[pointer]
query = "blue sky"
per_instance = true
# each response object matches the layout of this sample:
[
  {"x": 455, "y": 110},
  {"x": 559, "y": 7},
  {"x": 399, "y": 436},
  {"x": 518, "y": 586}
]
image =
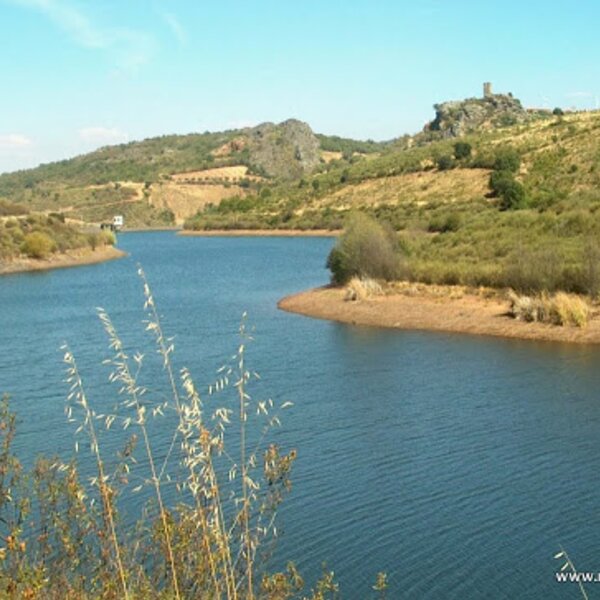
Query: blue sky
[{"x": 77, "y": 75}]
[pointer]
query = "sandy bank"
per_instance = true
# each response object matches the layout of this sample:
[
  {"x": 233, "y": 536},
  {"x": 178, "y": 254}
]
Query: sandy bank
[
  {"x": 72, "y": 258},
  {"x": 459, "y": 313},
  {"x": 262, "y": 233}
]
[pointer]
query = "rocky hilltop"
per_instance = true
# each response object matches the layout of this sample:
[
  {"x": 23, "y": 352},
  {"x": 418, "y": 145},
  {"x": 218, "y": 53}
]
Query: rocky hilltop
[
  {"x": 287, "y": 150},
  {"x": 456, "y": 118}
]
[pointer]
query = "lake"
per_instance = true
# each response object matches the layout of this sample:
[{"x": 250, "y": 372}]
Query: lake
[{"x": 457, "y": 464}]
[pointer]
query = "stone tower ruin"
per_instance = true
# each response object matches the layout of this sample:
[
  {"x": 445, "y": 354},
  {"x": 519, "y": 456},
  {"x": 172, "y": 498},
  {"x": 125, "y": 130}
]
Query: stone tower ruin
[{"x": 487, "y": 90}]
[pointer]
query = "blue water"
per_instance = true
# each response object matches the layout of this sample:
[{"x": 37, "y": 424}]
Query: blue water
[{"x": 457, "y": 464}]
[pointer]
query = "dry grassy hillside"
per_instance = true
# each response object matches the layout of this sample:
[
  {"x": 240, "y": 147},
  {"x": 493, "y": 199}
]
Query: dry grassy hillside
[
  {"x": 558, "y": 157},
  {"x": 417, "y": 188},
  {"x": 167, "y": 202},
  {"x": 185, "y": 200}
]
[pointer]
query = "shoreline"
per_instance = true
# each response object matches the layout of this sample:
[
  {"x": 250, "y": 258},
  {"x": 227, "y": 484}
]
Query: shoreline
[
  {"x": 71, "y": 258},
  {"x": 149, "y": 229},
  {"x": 260, "y": 233},
  {"x": 466, "y": 314}
]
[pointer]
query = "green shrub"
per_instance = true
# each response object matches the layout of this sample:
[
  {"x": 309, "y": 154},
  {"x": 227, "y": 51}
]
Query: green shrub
[
  {"x": 513, "y": 196},
  {"x": 558, "y": 112},
  {"x": 529, "y": 270},
  {"x": 511, "y": 193},
  {"x": 445, "y": 223},
  {"x": 462, "y": 150},
  {"x": 165, "y": 216},
  {"x": 499, "y": 180},
  {"x": 445, "y": 162},
  {"x": 507, "y": 159},
  {"x": 38, "y": 245},
  {"x": 365, "y": 249}
]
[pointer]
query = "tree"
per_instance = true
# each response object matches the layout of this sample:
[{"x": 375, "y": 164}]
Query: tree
[
  {"x": 558, "y": 112},
  {"x": 366, "y": 248}
]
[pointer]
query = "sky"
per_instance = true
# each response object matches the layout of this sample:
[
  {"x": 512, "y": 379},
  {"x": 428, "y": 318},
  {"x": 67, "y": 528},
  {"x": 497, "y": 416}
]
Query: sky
[{"x": 76, "y": 75}]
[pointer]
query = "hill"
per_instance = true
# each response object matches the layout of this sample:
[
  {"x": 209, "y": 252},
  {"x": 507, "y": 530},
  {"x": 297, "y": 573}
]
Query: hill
[
  {"x": 162, "y": 180},
  {"x": 516, "y": 205},
  {"x": 489, "y": 194}
]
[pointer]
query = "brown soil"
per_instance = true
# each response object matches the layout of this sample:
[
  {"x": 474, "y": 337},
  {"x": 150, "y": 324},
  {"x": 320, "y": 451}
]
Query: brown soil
[
  {"x": 261, "y": 233},
  {"x": 72, "y": 258},
  {"x": 469, "y": 313}
]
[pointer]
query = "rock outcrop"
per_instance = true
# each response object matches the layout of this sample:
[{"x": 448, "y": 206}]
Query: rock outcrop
[
  {"x": 287, "y": 150},
  {"x": 457, "y": 118}
]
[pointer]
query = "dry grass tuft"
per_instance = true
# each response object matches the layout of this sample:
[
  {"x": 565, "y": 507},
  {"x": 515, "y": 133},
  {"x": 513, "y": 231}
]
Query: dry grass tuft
[
  {"x": 569, "y": 309},
  {"x": 560, "y": 309},
  {"x": 361, "y": 288}
]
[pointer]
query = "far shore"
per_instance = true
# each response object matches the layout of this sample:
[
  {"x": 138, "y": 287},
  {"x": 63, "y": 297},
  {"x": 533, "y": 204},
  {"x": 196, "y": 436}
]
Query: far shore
[
  {"x": 71, "y": 258},
  {"x": 261, "y": 233},
  {"x": 149, "y": 229},
  {"x": 456, "y": 312}
]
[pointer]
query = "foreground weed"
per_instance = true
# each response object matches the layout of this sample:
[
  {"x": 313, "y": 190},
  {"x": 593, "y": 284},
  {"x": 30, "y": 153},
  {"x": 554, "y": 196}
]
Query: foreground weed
[{"x": 203, "y": 506}]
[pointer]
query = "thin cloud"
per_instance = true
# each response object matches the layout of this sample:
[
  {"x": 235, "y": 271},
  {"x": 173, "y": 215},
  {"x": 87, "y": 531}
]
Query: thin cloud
[
  {"x": 177, "y": 29},
  {"x": 13, "y": 141},
  {"x": 129, "y": 48},
  {"x": 102, "y": 135}
]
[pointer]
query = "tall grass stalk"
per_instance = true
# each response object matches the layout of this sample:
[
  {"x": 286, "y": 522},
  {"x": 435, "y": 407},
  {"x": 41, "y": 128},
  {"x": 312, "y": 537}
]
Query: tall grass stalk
[
  {"x": 77, "y": 392},
  {"x": 165, "y": 349},
  {"x": 123, "y": 374}
]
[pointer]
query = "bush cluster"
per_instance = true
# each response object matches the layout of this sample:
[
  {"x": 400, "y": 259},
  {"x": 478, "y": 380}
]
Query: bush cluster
[
  {"x": 11, "y": 209},
  {"x": 37, "y": 236},
  {"x": 503, "y": 183},
  {"x": 38, "y": 245},
  {"x": 365, "y": 249}
]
